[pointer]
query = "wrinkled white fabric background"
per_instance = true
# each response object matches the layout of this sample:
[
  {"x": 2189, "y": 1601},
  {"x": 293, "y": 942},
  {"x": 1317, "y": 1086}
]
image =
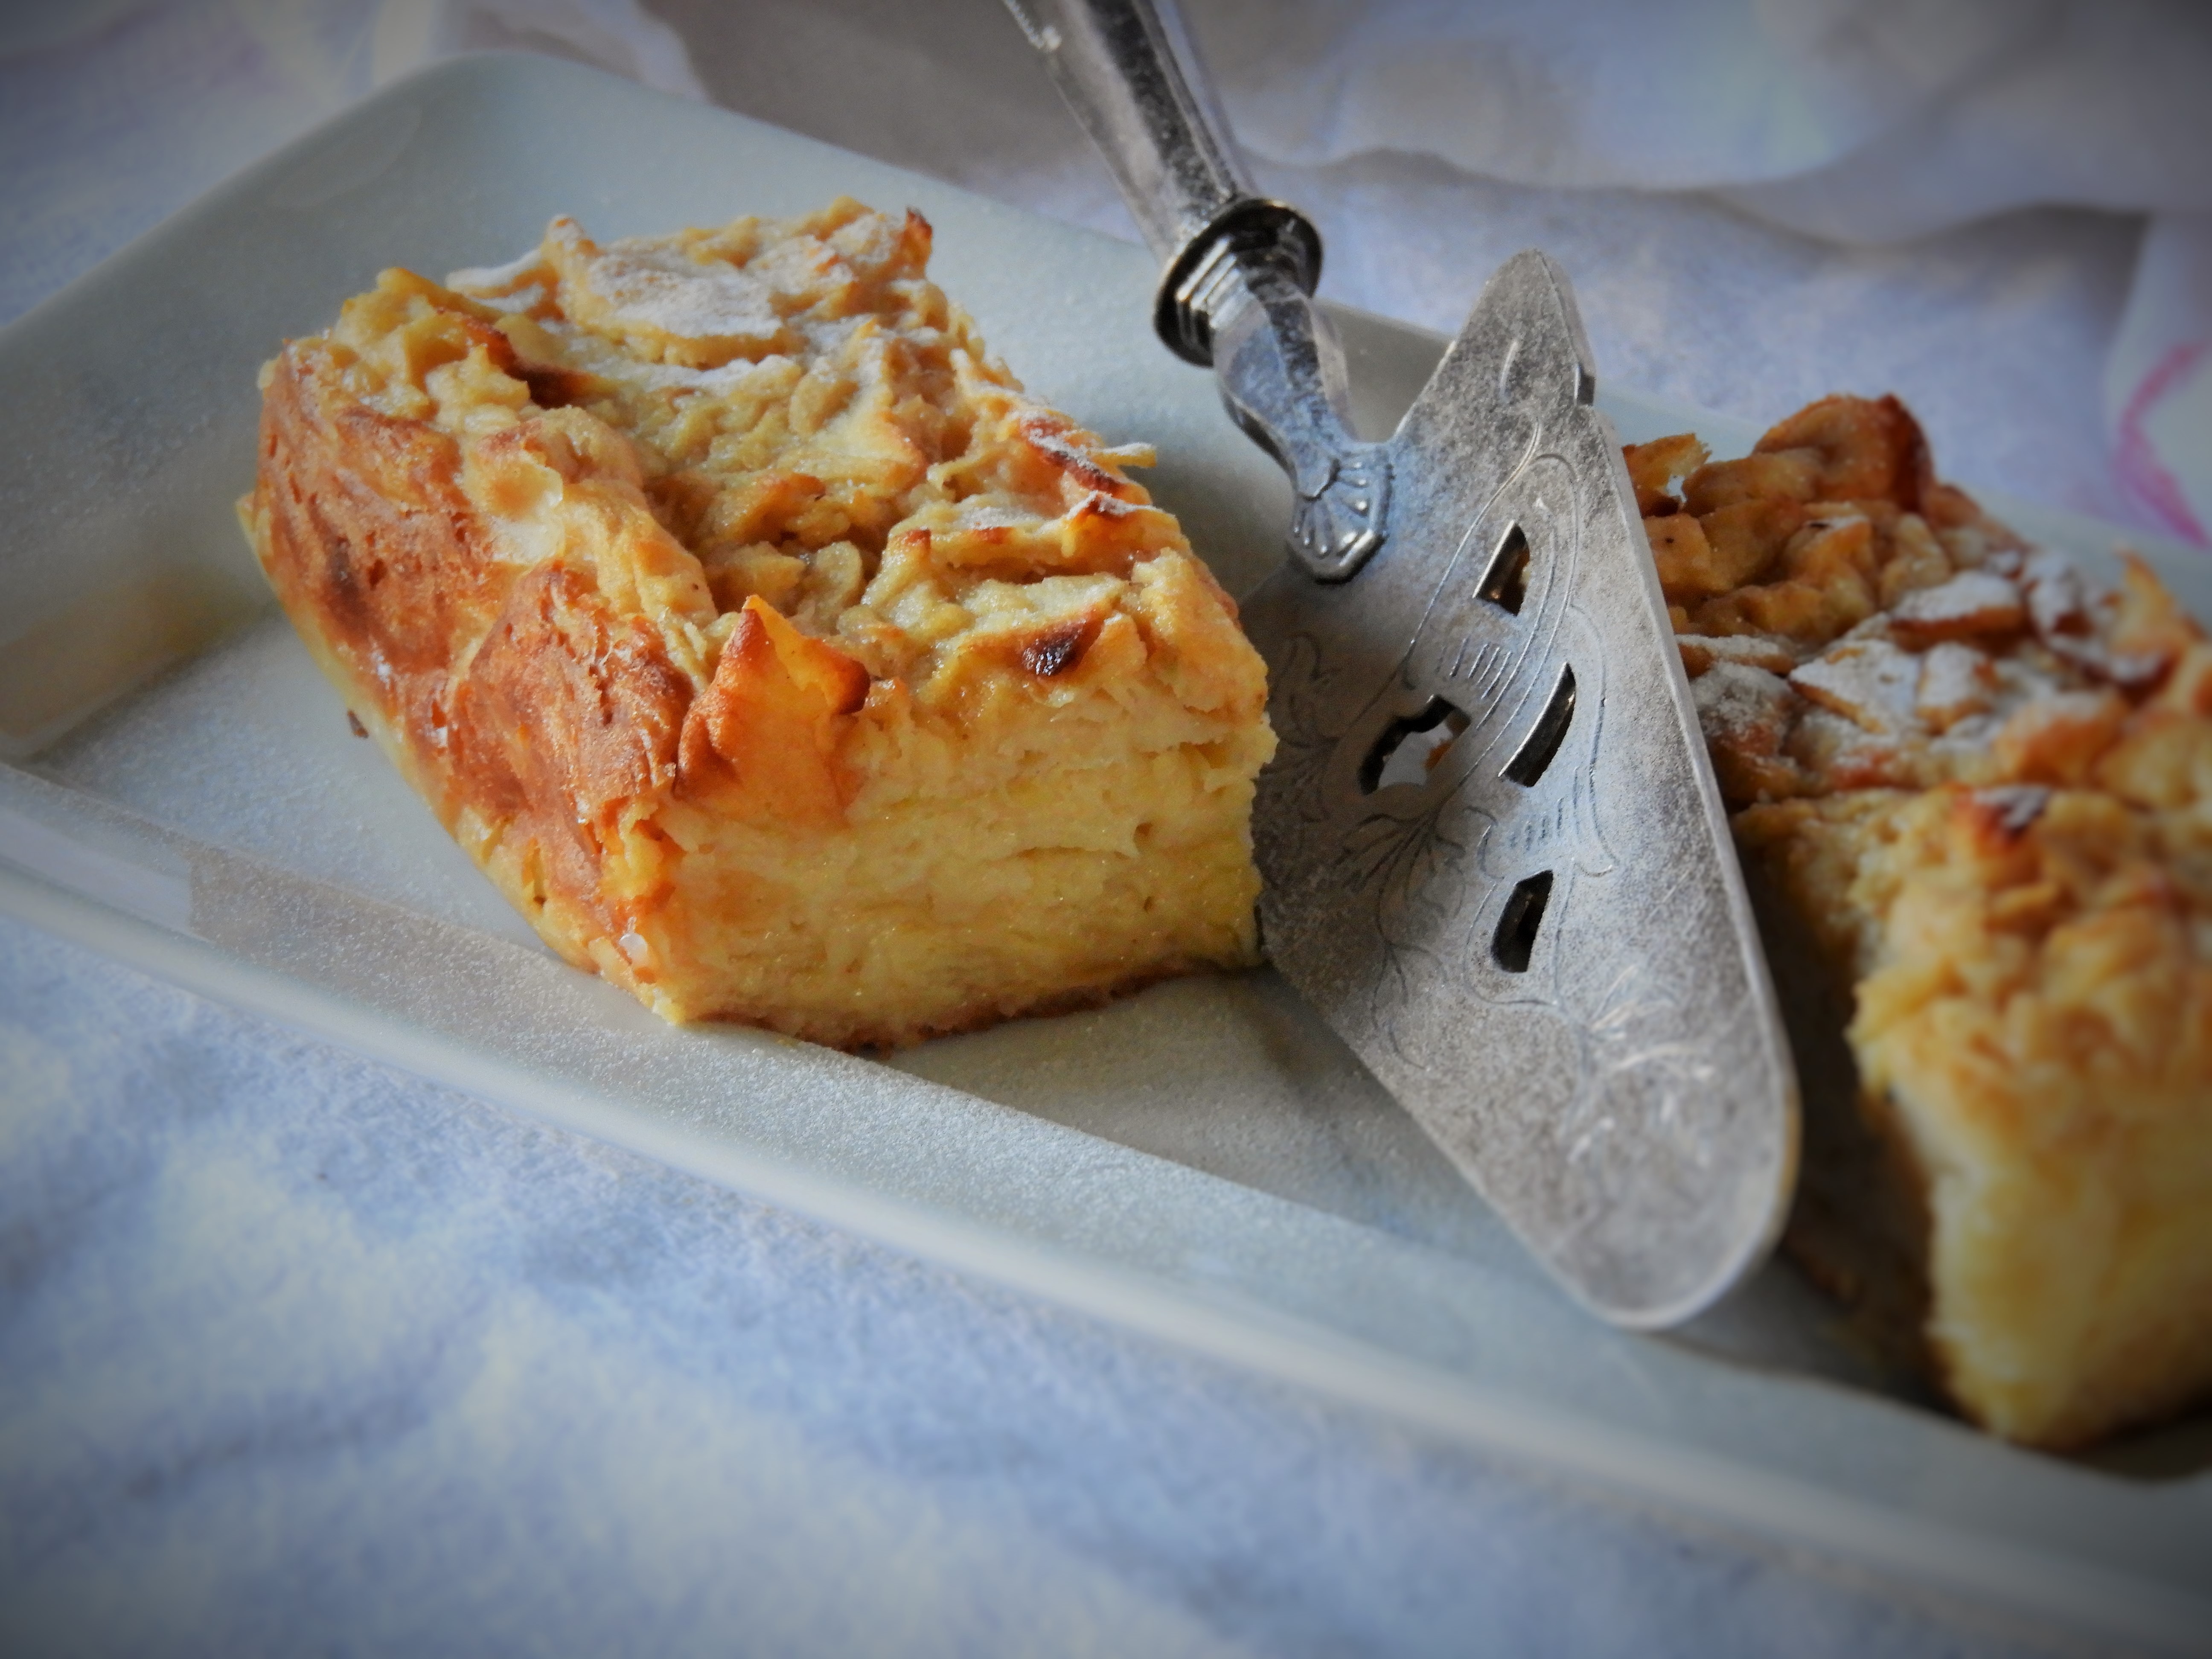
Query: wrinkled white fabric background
[
  {"x": 1859, "y": 122},
  {"x": 296, "y": 1353},
  {"x": 2000, "y": 209}
]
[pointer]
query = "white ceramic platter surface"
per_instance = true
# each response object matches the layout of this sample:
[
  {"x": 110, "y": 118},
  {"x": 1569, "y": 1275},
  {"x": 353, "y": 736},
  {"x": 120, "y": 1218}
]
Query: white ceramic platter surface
[{"x": 1204, "y": 1161}]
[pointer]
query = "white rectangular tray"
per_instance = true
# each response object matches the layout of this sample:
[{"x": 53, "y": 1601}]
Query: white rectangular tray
[{"x": 1203, "y": 1162}]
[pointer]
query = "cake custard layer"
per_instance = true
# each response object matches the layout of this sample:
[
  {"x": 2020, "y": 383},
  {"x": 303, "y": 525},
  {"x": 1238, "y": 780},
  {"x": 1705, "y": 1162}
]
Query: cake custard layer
[
  {"x": 772, "y": 652},
  {"x": 1974, "y": 799}
]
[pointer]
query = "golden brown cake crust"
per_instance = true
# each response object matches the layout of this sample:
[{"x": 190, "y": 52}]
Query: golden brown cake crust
[
  {"x": 565, "y": 711},
  {"x": 774, "y": 655},
  {"x": 1974, "y": 797}
]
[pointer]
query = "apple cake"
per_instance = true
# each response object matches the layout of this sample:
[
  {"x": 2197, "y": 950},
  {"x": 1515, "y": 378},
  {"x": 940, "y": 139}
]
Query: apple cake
[
  {"x": 1973, "y": 794},
  {"x": 774, "y": 654}
]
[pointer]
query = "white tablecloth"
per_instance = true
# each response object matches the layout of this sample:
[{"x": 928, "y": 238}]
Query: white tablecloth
[{"x": 299, "y": 1354}]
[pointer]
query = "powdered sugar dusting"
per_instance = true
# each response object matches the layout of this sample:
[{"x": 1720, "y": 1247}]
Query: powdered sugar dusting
[
  {"x": 1734, "y": 698},
  {"x": 1869, "y": 682},
  {"x": 699, "y": 313},
  {"x": 1956, "y": 681},
  {"x": 652, "y": 289},
  {"x": 1972, "y": 602},
  {"x": 498, "y": 281}
]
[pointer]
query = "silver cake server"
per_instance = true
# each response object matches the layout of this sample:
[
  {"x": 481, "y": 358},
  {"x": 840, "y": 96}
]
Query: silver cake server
[{"x": 1495, "y": 857}]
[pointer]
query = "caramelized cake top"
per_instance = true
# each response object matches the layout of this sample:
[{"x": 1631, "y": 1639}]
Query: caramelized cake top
[{"x": 814, "y": 423}]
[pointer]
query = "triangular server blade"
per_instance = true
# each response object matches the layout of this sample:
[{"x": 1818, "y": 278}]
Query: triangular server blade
[{"x": 1496, "y": 860}]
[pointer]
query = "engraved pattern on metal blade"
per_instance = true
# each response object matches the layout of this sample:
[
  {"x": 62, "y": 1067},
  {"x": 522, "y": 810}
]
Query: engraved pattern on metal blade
[{"x": 1622, "y": 1095}]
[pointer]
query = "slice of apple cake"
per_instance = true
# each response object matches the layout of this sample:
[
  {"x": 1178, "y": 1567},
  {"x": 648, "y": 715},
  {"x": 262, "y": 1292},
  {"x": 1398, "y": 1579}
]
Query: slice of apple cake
[
  {"x": 1974, "y": 800},
  {"x": 772, "y": 652}
]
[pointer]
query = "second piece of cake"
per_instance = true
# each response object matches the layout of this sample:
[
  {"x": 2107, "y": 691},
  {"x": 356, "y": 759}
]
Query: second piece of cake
[
  {"x": 1974, "y": 800},
  {"x": 776, "y": 657}
]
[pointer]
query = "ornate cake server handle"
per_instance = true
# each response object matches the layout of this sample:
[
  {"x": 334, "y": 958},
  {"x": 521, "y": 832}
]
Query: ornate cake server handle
[
  {"x": 1240, "y": 269},
  {"x": 1494, "y": 856}
]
